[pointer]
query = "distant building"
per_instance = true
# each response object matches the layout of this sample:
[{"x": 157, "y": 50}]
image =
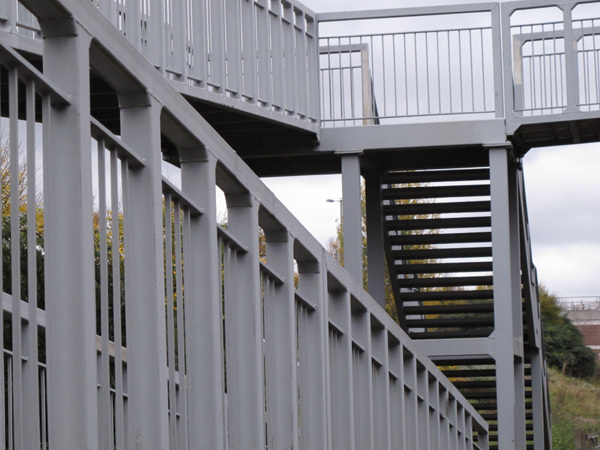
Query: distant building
[{"x": 584, "y": 313}]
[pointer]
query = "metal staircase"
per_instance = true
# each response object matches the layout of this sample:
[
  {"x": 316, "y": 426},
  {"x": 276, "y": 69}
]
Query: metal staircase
[{"x": 439, "y": 252}]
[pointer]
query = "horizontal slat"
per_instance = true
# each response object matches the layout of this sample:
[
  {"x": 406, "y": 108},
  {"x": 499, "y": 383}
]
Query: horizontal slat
[
  {"x": 451, "y": 334},
  {"x": 450, "y": 309},
  {"x": 464, "y": 373},
  {"x": 436, "y": 175},
  {"x": 440, "y": 238},
  {"x": 479, "y": 395},
  {"x": 481, "y": 384},
  {"x": 438, "y": 224},
  {"x": 475, "y": 190},
  {"x": 443, "y": 268},
  {"x": 475, "y": 294},
  {"x": 441, "y": 253},
  {"x": 445, "y": 282},
  {"x": 452, "y": 322},
  {"x": 436, "y": 208}
]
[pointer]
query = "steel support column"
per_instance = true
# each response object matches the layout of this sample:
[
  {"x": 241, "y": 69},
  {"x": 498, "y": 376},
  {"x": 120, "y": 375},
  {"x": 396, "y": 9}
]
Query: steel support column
[
  {"x": 68, "y": 244},
  {"x": 280, "y": 344},
  {"x": 375, "y": 238},
  {"x": 351, "y": 215},
  {"x": 144, "y": 276},
  {"x": 538, "y": 394},
  {"x": 243, "y": 315},
  {"x": 341, "y": 374},
  {"x": 204, "y": 315},
  {"x": 508, "y": 318},
  {"x": 312, "y": 344}
]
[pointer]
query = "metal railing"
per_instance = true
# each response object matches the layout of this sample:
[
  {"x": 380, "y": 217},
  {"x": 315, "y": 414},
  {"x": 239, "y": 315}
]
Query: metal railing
[
  {"x": 156, "y": 327},
  {"x": 514, "y": 60},
  {"x": 258, "y": 51},
  {"x": 442, "y": 63}
]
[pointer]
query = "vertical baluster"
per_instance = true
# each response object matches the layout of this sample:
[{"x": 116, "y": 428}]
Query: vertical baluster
[
  {"x": 572, "y": 76},
  {"x": 199, "y": 44},
  {"x": 154, "y": 32},
  {"x": 31, "y": 368},
  {"x": 426, "y": 73},
  {"x": 117, "y": 297},
  {"x": 133, "y": 24},
  {"x": 43, "y": 405},
  {"x": 234, "y": 53},
  {"x": 3, "y": 392},
  {"x": 168, "y": 225},
  {"x": 10, "y": 399},
  {"x": 217, "y": 45},
  {"x": 416, "y": 66},
  {"x": 263, "y": 49},
  {"x": 313, "y": 68},
  {"x": 277, "y": 54},
  {"x": 290, "y": 58},
  {"x": 16, "y": 202},
  {"x": 439, "y": 71},
  {"x": 249, "y": 49},
  {"x": 451, "y": 109},
  {"x": 182, "y": 247},
  {"x": 104, "y": 423},
  {"x": 179, "y": 31}
]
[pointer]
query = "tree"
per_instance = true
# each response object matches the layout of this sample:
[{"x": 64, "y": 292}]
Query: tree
[
  {"x": 563, "y": 342},
  {"x": 336, "y": 248}
]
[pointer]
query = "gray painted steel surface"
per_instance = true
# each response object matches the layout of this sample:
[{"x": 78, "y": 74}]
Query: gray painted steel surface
[{"x": 160, "y": 328}]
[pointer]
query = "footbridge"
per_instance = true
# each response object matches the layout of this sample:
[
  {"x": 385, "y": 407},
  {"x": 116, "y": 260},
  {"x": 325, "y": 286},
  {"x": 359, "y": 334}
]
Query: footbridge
[{"x": 132, "y": 319}]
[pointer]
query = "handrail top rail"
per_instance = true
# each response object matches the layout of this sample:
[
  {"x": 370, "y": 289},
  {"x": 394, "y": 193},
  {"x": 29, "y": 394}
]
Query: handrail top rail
[{"x": 391, "y": 13}]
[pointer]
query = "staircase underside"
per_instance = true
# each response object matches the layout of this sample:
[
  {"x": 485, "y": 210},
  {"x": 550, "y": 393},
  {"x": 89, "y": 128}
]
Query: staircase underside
[{"x": 439, "y": 252}]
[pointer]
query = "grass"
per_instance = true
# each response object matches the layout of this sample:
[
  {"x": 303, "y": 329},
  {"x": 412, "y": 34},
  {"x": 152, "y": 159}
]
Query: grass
[{"x": 575, "y": 405}]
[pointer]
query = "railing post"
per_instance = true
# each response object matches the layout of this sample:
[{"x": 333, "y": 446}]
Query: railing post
[
  {"x": 341, "y": 377},
  {"x": 204, "y": 319},
  {"x": 538, "y": 394},
  {"x": 280, "y": 344},
  {"x": 351, "y": 216},
  {"x": 144, "y": 276},
  {"x": 312, "y": 345},
  {"x": 497, "y": 55},
  {"x": 368, "y": 105},
  {"x": 243, "y": 315},
  {"x": 507, "y": 61},
  {"x": 155, "y": 34},
  {"x": 508, "y": 318},
  {"x": 375, "y": 238},
  {"x": 69, "y": 252},
  {"x": 572, "y": 77}
]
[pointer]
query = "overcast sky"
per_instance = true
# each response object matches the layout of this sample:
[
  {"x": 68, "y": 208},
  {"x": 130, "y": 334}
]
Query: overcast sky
[{"x": 563, "y": 195}]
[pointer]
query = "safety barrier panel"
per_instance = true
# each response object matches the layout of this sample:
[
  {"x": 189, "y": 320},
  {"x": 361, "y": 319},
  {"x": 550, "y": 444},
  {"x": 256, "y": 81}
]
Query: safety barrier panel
[{"x": 132, "y": 320}]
